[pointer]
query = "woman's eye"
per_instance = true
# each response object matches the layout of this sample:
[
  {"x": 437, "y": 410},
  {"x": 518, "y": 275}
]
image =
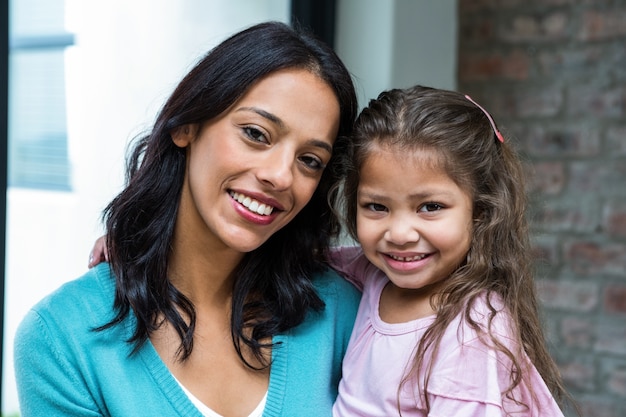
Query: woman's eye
[
  {"x": 431, "y": 207},
  {"x": 312, "y": 162},
  {"x": 255, "y": 134}
]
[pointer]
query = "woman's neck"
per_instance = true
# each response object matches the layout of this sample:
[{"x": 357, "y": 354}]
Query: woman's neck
[{"x": 202, "y": 273}]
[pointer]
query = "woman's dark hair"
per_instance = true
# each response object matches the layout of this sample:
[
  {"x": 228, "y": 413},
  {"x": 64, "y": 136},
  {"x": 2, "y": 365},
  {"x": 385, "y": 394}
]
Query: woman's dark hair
[{"x": 273, "y": 290}]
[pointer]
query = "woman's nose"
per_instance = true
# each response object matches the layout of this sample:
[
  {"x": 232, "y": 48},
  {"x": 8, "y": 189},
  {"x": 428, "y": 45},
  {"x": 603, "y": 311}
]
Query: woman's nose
[{"x": 276, "y": 169}]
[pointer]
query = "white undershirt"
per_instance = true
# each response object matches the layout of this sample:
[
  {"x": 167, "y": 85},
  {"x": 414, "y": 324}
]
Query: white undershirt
[{"x": 207, "y": 412}]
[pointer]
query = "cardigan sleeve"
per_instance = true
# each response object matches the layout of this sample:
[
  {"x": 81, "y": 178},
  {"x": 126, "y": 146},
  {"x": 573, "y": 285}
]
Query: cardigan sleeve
[{"x": 47, "y": 382}]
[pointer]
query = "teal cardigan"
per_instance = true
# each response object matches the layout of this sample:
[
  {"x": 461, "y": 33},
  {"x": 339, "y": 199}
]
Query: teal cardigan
[{"x": 64, "y": 368}]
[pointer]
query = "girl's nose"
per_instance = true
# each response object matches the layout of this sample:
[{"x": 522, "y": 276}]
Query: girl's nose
[
  {"x": 275, "y": 169},
  {"x": 401, "y": 231}
]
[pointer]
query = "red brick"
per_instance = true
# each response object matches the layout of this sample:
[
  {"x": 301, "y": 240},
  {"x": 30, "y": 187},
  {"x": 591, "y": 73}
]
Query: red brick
[
  {"x": 466, "y": 6},
  {"x": 568, "y": 295},
  {"x": 566, "y": 61},
  {"x": 579, "y": 374},
  {"x": 479, "y": 67},
  {"x": 536, "y": 28},
  {"x": 565, "y": 216},
  {"x": 614, "y": 219},
  {"x": 564, "y": 141},
  {"x": 544, "y": 102},
  {"x": 611, "y": 336},
  {"x": 598, "y": 406},
  {"x": 595, "y": 101},
  {"x": 616, "y": 379},
  {"x": 546, "y": 250},
  {"x": 594, "y": 258},
  {"x": 477, "y": 32},
  {"x": 547, "y": 177},
  {"x": 577, "y": 332},
  {"x": 615, "y": 298},
  {"x": 600, "y": 178},
  {"x": 616, "y": 140},
  {"x": 602, "y": 25}
]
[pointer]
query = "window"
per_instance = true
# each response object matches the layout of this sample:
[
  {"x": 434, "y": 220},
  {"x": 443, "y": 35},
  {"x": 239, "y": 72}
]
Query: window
[{"x": 38, "y": 153}]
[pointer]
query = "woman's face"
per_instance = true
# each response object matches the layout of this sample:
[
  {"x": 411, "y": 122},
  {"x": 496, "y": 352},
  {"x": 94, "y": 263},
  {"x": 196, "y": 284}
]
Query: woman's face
[{"x": 252, "y": 169}]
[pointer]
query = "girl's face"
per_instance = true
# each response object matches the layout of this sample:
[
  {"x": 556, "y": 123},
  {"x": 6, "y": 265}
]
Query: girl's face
[
  {"x": 252, "y": 169},
  {"x": 413, "y": 222}
]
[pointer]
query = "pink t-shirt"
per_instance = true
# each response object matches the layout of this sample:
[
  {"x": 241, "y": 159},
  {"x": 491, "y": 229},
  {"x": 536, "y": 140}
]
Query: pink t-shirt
[{"x": 467, "y": 379}]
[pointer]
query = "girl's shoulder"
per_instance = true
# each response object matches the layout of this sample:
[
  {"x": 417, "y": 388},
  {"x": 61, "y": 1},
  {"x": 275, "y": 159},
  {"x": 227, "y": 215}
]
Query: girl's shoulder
[
  {"x": 488, "y": 308},
  {"x": 352, "y": 264},
  {"x": 483, "y": 314}
]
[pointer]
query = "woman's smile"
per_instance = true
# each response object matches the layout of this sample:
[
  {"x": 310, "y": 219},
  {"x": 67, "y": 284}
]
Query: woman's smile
[
  {"x": 252, "y": 204},
  {"x": 252, "y": 169}
]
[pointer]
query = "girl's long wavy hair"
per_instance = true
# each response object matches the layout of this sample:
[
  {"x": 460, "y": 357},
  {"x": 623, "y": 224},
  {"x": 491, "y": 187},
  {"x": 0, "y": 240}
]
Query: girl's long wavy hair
[
  {"x": 499, "y": 258},
  {"x": 273, "y": 289}
]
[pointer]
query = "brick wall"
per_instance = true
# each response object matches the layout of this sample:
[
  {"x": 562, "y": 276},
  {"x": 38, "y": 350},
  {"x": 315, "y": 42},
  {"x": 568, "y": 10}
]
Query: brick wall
[{"x": 553, "y": 73}]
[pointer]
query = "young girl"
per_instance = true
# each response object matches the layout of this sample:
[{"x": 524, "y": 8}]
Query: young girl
[{"x": 448, "y": 322}]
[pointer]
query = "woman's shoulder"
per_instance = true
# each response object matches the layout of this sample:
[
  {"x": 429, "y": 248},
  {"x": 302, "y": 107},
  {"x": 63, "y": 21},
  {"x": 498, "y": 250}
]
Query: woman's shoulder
[
  {"x": 330, "y": 284},
  {"x": 341, "y": 299},
  {"x": 84, "y": 298}
]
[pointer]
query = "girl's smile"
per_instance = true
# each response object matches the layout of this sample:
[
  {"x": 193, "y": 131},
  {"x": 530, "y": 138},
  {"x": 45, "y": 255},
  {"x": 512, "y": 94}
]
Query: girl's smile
[
  {"x": 404, "y": 262},
  {"x": 418, "y": 229}
]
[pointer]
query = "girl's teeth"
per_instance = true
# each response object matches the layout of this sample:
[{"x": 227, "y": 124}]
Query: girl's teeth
[
  {"x": 408, "y": 259},
  {"x": 252, "y": 205}
]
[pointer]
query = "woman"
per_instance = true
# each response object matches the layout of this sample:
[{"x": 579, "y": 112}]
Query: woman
[{"x": 217, "y": 297}]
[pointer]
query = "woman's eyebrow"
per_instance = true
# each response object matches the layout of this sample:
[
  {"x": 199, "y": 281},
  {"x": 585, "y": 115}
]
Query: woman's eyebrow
[
  {"x": 265, "y": 114},
  {"x": 322, "y": 144},
  {"x": 276, "y": 120}
]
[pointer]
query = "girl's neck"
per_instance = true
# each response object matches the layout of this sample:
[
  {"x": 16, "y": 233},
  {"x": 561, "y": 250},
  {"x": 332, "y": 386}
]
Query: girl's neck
[{"x": 401, "y": 305}]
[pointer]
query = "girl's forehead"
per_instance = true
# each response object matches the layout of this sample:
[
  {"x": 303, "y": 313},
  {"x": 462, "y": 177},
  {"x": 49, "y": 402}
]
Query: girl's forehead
[
  {"x": 407, "y": 154},
  {"x": 415, "y": 158}
]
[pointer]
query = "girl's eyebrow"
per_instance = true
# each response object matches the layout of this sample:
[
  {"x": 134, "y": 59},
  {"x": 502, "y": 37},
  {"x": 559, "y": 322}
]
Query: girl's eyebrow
[
  {"x": 428, "y": 194},
  {"x": 277, "y": 121}
]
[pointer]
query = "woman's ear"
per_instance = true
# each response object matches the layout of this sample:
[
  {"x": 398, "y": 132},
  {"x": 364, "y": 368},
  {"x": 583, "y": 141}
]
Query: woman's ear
[{"x": 183, "y": 135}]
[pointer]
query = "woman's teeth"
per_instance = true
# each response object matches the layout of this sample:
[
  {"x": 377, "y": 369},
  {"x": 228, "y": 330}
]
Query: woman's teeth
[{"x": 252, "y": 204}]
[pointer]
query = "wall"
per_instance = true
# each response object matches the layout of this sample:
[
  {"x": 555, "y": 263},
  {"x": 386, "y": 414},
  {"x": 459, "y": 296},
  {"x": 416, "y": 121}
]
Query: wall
[
  {"x": 397, "y": 43},
  {"x": 553, "y": 72}
]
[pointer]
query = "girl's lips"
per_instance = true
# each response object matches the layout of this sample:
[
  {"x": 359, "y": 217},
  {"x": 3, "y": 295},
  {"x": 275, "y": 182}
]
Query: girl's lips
[
  {"x": 406, "y": 258},
  {"x": 404, "y": 262}
]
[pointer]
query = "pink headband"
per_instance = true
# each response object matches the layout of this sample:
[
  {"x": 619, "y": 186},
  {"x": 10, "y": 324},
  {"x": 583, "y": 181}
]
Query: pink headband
[{"x": 493, "y": 124}]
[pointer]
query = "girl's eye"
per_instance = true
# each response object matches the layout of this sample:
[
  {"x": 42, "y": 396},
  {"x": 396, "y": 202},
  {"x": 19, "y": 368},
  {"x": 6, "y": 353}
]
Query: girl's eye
[
  {"x": 375, "y": 207},
  {"x": 312, "y": 162},
  {"x": 254, "y": 134},
  {"x": 431, "y": 207}
]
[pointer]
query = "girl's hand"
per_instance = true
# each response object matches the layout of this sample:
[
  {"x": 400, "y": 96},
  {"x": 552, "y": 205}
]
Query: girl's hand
[{"x": 99, "y": 252}]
